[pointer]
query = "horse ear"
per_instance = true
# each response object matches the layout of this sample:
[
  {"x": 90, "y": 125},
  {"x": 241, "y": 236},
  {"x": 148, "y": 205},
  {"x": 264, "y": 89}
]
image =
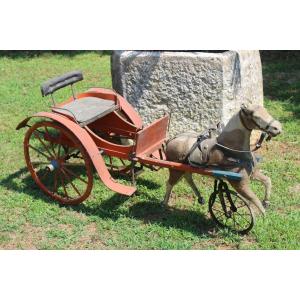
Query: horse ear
[{"x": 245, "y": 108}]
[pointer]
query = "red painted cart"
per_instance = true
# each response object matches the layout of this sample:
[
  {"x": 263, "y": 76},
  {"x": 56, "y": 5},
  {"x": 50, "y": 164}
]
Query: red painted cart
[{"x": 100, "y": 128}]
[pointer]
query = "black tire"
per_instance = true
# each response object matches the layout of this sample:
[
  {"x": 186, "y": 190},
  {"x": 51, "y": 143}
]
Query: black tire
[{"x": 238, "y": 218}]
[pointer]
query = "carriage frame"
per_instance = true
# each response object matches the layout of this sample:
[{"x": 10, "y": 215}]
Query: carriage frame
[{"x": 98, "y": 136}]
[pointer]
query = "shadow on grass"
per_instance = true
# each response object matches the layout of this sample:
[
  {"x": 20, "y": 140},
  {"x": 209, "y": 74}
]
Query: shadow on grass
[
  {"x": 149, "y": 211},
  {"x": 23, "y": 54},
  {"x": 152, "y": 212},
  {"x": 27, "y": 186}
]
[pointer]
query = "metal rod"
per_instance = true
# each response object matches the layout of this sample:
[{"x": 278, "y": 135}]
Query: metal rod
[
  {"x": 169, "y": 121},
  {"x": 133, "y": 173},
  {"x": 53, "y": 100},
  {"x": 74, "y": 97}
]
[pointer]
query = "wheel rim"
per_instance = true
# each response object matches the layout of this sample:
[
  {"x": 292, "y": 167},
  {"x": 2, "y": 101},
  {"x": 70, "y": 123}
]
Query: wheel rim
[
  {"x": 58, "y": 162},
  {"x": 117, "y": 165},
  {"x": 238, "y": 217}
]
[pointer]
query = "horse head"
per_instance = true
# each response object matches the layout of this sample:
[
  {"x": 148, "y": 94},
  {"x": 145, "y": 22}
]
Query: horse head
[{"x": 257, "y": 117}]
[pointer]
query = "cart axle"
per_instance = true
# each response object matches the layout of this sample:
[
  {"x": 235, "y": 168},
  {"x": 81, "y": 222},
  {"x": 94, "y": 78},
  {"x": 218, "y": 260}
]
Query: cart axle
[{"x": 52, "y": 166}]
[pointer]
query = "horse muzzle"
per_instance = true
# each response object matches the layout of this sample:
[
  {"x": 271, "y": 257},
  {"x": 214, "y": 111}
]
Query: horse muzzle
[{"x": 274, "y": 129}]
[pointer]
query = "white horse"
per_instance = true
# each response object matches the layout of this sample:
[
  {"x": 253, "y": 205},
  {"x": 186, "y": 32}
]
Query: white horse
[{"x": 230, "y": 151}]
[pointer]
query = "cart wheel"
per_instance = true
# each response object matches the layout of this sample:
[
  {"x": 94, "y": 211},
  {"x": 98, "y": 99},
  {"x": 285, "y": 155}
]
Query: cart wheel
[
  {"x": 117, "y": 165},
  {"x": 58, "y": 162},
  {"x": 228, "y": 209}
]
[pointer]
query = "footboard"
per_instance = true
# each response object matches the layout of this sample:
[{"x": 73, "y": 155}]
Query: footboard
[{"x": 152, "y": 137}]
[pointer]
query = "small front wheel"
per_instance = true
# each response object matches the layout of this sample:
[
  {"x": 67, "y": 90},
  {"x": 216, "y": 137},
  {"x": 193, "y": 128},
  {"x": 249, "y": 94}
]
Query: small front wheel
[{"x": 228, "y": 209}]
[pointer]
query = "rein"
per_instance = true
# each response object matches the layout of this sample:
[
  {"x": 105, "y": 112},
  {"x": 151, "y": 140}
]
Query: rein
[
  {"x": 233, "y": 150},
  {"x": 257, "y": 146}
]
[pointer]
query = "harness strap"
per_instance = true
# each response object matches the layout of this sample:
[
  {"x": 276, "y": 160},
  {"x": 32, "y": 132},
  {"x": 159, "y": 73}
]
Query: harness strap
[
  {"x": 248, "y": 163},
  {"x": 269, "y": 124},
  {"x": 235, "y": 161},
  {"x": 243, "y": 121},
  {"x": 199, "y": 140},
  {"x": 245, "y": 125},
  {"x": 203, "y": 137},
  {"x": 260, "y": 141}
]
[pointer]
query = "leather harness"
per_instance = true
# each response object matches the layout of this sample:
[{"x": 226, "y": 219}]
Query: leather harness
[
  {"x": 245, "y": 125},
  {"x": 248, "y": 162},
  {"x": 202, "y": 137}
]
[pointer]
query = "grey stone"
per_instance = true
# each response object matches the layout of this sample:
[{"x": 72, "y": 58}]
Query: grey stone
[{"x": 199, "y": 89}]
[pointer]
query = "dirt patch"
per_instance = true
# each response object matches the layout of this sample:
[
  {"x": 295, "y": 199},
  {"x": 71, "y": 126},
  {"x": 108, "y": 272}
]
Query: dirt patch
[
  {"x": 89, "y": 240},
  {"x": 280, "y": 149},
  {"x": 31, "y": 237},
  {"x": 68, "y": 228},
  {"x": 79, "y": 215},
  {"x": 226, "y": 246},
  {"x": 189, "y": 198},
  {"x": 247, "y": 241},
  {"x": 34, "y": 235},
  {"x": 295, "y": 189},
  {"x": 215, "y": 244},
  {"x": 284, "y": 210},
  {"x": 185, "y": 198}
]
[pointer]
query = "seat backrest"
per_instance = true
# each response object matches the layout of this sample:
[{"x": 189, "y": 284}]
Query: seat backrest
[{"x": 54, "y": 84}]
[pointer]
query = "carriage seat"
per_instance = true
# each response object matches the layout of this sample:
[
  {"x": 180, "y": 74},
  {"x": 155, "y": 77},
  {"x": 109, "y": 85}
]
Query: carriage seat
[{"x": 86, "y": 110}]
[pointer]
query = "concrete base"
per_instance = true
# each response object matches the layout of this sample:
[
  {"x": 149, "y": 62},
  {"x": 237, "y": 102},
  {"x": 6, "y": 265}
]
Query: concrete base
[{"x": 199, "y": 89}]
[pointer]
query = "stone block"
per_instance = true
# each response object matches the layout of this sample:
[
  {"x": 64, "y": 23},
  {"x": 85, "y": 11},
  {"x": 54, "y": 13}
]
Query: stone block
[{"x": 199, "y": 89}]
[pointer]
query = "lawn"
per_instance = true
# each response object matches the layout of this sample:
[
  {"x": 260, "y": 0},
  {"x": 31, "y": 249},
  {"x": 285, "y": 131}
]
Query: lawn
[{"x": 31, "y": 220}]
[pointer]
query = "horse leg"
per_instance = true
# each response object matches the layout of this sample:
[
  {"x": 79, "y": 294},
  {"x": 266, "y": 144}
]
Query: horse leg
[
  {"x": 243, "y": 188},
  {"x": 174, "y": 177},
  {"x": 190, "y": 181},
  {"x": 259, "y": 176}
]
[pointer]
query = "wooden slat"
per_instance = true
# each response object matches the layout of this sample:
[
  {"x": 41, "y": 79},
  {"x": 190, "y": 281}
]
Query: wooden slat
[
  {"x": 87, "y": 110},
  {"x": 150, "y": 138}
]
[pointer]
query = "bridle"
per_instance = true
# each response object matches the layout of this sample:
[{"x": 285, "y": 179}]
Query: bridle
[
  {"x": 253, "y": 121},
  {"x": 261, "y": 139}
]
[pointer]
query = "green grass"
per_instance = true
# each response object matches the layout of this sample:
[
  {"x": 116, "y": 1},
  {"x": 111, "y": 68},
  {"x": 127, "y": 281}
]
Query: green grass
[{"x": 29, "y": 219}]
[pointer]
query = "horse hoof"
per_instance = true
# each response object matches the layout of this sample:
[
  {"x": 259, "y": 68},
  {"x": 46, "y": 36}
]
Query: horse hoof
[
  {"x": 266, "y": 204},
  {"x": 201, "y": 200}
]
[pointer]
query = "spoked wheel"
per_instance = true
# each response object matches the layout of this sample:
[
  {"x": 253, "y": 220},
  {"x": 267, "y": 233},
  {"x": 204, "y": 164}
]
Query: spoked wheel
[
  {"x": 117, "y": 165},
  {"x": 58, "y": 162},
  {"x": 229, "y": 209}
]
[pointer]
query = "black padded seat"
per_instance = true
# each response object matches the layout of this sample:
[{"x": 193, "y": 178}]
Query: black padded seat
[{"x": 87, "y": 110}]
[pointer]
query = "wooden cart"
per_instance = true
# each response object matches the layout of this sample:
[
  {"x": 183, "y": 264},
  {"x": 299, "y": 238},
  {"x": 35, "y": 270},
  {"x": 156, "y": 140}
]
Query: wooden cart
[{"x": 100, "y": 129}]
